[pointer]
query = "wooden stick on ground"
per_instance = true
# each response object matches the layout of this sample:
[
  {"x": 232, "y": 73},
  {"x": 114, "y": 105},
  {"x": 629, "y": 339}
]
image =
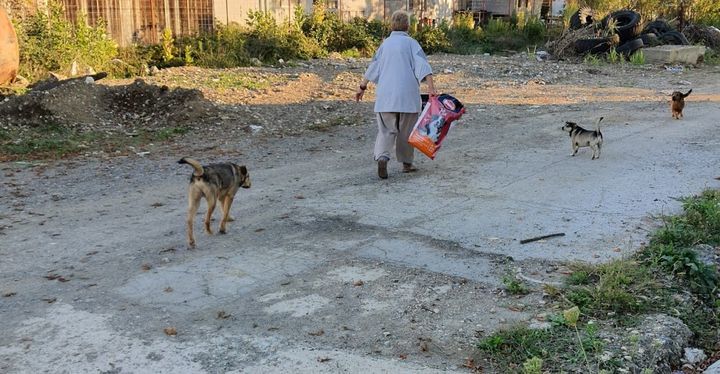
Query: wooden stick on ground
[{"x": 524, "y": 241}]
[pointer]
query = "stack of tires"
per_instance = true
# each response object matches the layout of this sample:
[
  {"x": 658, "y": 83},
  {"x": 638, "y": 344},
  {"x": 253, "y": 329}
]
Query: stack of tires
[
  {"x": 661, "y": 32},
  {"x": 625, "y": 29}
]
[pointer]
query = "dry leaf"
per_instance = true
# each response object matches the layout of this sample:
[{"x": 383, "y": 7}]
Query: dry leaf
[
  {"x": 156, "y": 205},
  {"x": 168, "y": 289},
  {"x": 469, "y": 363},
  {"x": 170, "y": 331},
  {"x": 260, "y": 230},
  {"x": 323, "y": 359},
  {"x": 8, "y": 294},
  {"x": 222, "y": 315},
  {"x": 49, "y": 300},
  {"x": 402, "y": 357},
  {"x": 317, "y": 333},
  {"x": 358, "y": 283},
  {"x": 52, "y": 276},
  {"x": 146, "y": 267},
  {"x": 299, "y": 197}
]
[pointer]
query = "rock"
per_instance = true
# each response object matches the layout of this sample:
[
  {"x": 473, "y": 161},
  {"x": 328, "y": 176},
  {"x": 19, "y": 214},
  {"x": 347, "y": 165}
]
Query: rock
[
  {"x": 255, "y": 62},
  {"x": 659, "y": 343},
  {"x": 694, "y": 356},
  {"x": 713, "y": 369},
  {"x": 707, "y": 254},
  {"x": 89, "y": 80},
  {"x": 74, "y": 69},
  {"x": 154, "y": 70},
  {"x": 539, "y": 325}
]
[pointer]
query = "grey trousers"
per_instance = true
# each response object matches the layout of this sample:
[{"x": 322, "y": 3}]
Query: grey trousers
[{"x": 394, "y": 129}]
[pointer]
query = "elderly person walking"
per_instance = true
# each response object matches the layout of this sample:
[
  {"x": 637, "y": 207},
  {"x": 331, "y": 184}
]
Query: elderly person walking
[{"x": 398, "y": 67}]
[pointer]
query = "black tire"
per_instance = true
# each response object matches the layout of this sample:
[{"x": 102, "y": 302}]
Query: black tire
[
  {"x": 674, "y": 37},
  {"x": 630, "y": 47},
  {"x": 657, "y": 27},
  {"x": 581, "y": 18},
  {"x": 650, "y": 39},
  {"x": 627, "y": 24},
  {"x": 595, "y": 45}
]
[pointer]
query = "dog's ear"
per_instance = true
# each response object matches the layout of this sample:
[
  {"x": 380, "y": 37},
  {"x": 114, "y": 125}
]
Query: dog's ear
[
  {"x": 243, "y": 170},
  {"x": 570, "y": 123}
]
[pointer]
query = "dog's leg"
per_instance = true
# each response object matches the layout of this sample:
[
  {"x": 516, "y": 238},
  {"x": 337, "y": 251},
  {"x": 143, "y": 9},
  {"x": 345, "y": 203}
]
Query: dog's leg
[
  {"x": 193, "y": 204},
  {"x": 211, "y": 200},
  {"x": 226, "y": 203},
  {"x": 595, "y": 152},
  {"x": 575, "y": 149},
  {"x": 599, "y": 149}
]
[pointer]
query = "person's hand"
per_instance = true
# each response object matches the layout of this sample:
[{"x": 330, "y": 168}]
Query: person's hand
[
  {"x": 359, "y": 94},
  {"x": 432, "y": 92}
]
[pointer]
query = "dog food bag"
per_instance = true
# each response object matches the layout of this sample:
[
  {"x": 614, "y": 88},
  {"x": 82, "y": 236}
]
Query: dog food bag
[{"x": 434, "y": 123}]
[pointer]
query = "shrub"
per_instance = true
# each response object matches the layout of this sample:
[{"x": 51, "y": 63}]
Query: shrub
[
  {"x": 49, "y": 42},
  {"x": 433, "y": 40},
  {"x": 463, "y": 35},
  {"x": 535, "y": 30},
  {"x": 223, "y": 48},
  {"x": 269, "y": 41}
]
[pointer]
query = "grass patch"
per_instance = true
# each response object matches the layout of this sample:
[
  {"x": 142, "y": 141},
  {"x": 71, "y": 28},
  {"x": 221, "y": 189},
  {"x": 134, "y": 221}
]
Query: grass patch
[
  {"x": 227, "y": 80},
  {"x": 54, "y": 141},
  {"x": 515, "y": 286},
  {"x": 557, "y": 347},
  {"x": 637, "y": 58},
  {"x": 667, "y": 276}
]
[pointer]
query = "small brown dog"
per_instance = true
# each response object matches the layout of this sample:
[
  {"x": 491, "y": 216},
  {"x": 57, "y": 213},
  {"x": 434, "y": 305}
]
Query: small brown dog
[
  {"x": 678, "y": 103},
  {"x": 217, "y": 183}
]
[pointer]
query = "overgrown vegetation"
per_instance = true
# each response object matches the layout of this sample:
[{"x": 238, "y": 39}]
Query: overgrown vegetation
[
  {"x": 701, "y": 11},
  {"x": 667, "y": 276},
  {"x": 56, "y": 141},
  {"x": 49, "y": 42}
]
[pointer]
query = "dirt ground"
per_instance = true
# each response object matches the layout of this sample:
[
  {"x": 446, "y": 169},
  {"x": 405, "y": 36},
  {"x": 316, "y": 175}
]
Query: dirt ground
[{"x": 326, "y": 268}]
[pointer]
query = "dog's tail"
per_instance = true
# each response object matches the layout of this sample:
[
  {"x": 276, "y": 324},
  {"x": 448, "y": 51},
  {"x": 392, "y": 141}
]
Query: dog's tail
[
  {"x": 597, "y": 125},
  {"x": 687, "y": 94},
  {"x": 199, "y": 171}
]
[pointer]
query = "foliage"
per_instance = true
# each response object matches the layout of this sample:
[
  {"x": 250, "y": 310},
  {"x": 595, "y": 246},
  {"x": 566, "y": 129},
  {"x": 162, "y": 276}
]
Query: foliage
[
  {"x": 514, "y": 286},
  {"x": 223, "y": 48},
  {"x": 463, "y": 36},
  {"x": 549, "y": 348},
  {"x": 166, "y": 42},
  {"x": 269, "y": 41},
  {"x": 433, "y": 40},
  {"x": 49, "y": 42},
  {"x": 637, "y": 58}
]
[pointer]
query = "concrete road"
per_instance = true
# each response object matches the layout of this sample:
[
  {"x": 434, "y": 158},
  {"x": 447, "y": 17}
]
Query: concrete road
[{"x": 327, "y": 268}]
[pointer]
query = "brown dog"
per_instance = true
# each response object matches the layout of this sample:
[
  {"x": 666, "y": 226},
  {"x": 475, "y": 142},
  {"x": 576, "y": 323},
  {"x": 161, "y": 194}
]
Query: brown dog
[
  {"x": 217, "y": 183},
  {"x": 678, "y": 103}
]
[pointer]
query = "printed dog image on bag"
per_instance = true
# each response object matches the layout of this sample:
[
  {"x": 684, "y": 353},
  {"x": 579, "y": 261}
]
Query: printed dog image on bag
[
  {"x": 433, "y": 124},
  {"x": 433, "y": 128}
]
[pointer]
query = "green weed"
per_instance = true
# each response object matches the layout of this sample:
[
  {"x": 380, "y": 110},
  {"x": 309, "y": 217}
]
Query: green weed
[
  {"x": 515, "y": 286},
  {"x": 637, "y": 58}
]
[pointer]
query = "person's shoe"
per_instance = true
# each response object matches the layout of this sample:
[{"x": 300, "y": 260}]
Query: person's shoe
[
  {"x": 382, "y": 169},
  {"x": 408, "y": 168}
]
